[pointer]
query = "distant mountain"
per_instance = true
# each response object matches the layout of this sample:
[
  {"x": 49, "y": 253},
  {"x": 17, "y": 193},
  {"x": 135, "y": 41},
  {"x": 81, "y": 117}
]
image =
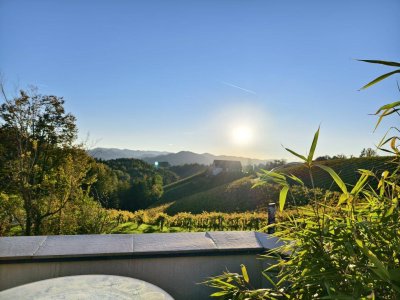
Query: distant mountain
[
  {"x": 114, "y": 153},
  {"x": 187, "y": 157},
  {"x": 175, "y": 159}
]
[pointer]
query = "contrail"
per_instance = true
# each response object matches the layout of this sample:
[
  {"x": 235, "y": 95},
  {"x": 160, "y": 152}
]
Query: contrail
[{"x": 238, "y": 87}]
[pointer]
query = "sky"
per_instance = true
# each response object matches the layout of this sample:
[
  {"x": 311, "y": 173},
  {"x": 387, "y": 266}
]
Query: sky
[{"x": 224, "y": 77}]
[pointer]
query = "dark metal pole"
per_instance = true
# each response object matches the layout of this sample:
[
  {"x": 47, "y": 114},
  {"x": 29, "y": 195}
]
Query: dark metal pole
[{"x": 271, "y": 217}]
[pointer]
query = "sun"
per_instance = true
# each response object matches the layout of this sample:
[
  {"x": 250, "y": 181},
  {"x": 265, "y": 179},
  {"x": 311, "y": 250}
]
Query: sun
[{"x": 242, "y": 135}]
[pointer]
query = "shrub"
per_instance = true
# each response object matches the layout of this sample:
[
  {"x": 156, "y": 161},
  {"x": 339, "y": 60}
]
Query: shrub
[{"x": 348, "y": 250}]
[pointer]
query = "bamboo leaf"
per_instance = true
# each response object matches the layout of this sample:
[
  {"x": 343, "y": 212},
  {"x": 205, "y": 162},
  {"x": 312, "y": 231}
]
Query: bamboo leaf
[
  {"x": 313, "y": 146},
  {"x": 343, "y": 198},
  {"x": 296, "y": 154},
  {"x": 360, "y": 183},
  {"x": 381, "y": 62},
  {"x": 386, "y": 106},
  {"x": 296, "y": 179},
  {"x": 219, "y": 294},
  {"x": 393, "y": 144},
  {"x": 380, "y": 118},
  {"x": 380, "y": 78},
  {"x": 268, "y": 278},
  {"x": 335, "y": 177},
  {"x": 225, "y": 283},
  {"x": 380, "y": 268},
  {"x": 385, "y": 113},
  {"x": 244, "y": 273},
  {"x": 282, "y": 197}
]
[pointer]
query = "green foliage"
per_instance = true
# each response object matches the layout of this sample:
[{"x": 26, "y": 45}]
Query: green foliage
[
  {"x": 11, "y": 212},
  {"x": 40, "y": 167},
  {"x": 45, "y": 178},
  {"x": 343, "y": 250},
  {"x": 129, "y": 184},
  {"x": 108, "y": 184},
  {"x": 350, "y": 250},
  {"x": 238, "y": 287},
  {"x": 346, "y": 168}
]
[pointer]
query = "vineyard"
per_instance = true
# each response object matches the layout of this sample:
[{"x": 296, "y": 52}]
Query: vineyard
[{"x": 156, "y": 221}]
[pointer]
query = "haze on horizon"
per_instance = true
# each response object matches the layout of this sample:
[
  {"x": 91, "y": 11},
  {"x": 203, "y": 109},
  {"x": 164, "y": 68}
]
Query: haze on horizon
[{"x": 224, "y": 77}]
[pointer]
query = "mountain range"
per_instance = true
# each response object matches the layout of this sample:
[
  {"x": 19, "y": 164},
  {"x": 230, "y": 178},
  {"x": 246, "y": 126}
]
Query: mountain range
[
  {"x": 174, "y": 159},
  {"x": 114, "y": 153}
]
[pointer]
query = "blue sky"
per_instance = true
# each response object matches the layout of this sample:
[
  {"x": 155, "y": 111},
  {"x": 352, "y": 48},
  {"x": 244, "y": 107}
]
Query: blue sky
[{"x": 184, "y": 75}]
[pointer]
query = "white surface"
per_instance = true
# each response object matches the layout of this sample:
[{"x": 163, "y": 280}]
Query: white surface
[{"x": 87, "y": 287}]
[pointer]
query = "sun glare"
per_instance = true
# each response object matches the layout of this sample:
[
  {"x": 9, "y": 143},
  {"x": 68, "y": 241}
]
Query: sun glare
[{"x": 242, "y": 135}]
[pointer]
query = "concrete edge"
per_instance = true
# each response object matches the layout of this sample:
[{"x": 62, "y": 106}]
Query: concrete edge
[{"x": 254, "y": 242}]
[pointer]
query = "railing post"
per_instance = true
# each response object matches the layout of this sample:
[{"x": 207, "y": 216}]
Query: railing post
[{"x": 271, "y": 217}]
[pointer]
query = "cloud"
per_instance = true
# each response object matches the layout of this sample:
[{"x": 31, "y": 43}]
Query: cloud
[{"x": 238, "y": 87}]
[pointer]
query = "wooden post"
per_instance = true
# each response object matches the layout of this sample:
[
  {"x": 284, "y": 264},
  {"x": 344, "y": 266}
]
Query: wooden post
[{"x": 271, "y": 217}]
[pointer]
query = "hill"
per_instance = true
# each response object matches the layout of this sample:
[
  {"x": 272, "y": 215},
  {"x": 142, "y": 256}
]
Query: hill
[
  {"x": 114, "y": 153},
  {"x": 195, "y": 184},
  {"x": 226, "y": 192},
  {"x": 346, "y": 168},
  {"x": 175, "y": 159},
  {"x": 234, "y": 196},
  {"x": 187, "y": 157},
  {"x": 200, "y": 193}
]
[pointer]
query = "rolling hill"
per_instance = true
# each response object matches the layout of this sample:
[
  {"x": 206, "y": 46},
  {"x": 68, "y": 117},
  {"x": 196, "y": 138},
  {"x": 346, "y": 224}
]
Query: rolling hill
[
  {"x": 195, "y": 184},
  {"x": 234, "y": 196},
  {"x": 187, "y": 157},
  {"x": 115, "y": 153},
  {"x": 201, "y": 192},
  {"x": 346, "y": 168},
  {"x": 175, "y": 159}
]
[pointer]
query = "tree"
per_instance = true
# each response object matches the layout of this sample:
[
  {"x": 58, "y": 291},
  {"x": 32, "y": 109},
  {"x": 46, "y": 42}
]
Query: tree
[
  {"x": 39, "y": 163},
  {"x": 323, "y": 158},
  {"x": 368, "y": 152},
  {"x": 107, "y": 185}
]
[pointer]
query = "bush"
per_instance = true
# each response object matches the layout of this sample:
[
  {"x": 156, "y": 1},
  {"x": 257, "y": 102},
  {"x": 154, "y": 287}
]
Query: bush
[{"x": 347, "y": 251}]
